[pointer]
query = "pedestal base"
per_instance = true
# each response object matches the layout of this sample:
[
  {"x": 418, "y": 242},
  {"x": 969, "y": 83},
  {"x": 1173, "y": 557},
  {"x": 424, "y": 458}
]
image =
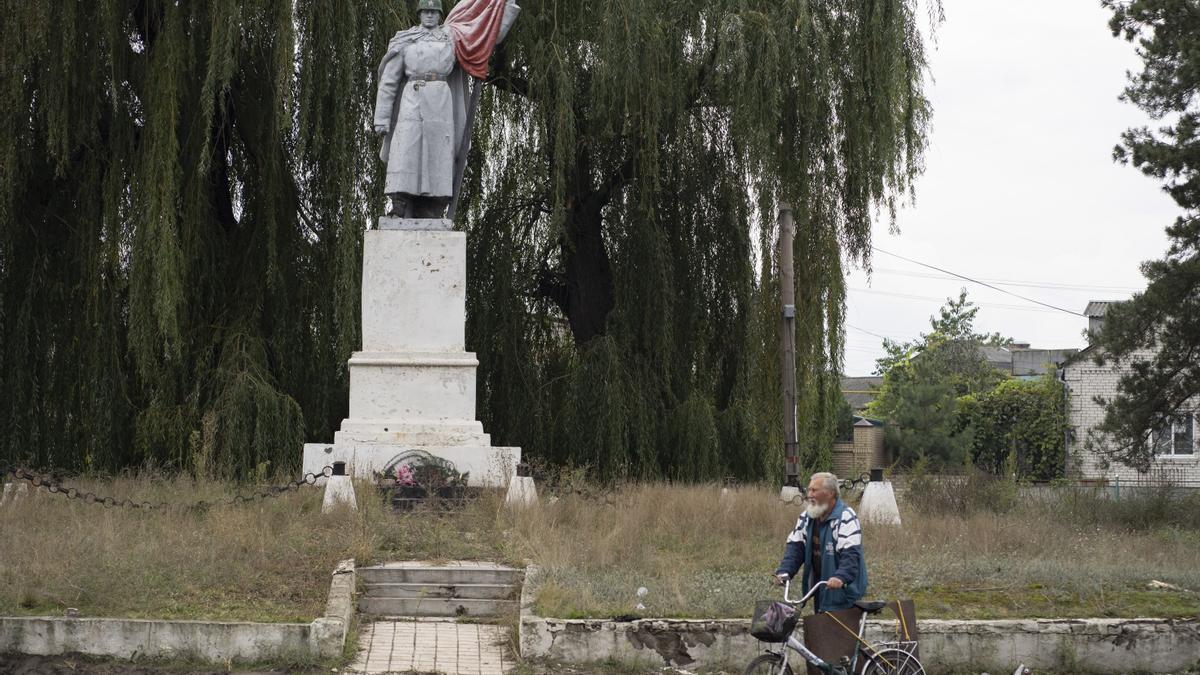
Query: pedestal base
[
  {"x": 412, "y": 387},
  {"x": 486, "y": 466},
  {"x": 411, "y": 433}
]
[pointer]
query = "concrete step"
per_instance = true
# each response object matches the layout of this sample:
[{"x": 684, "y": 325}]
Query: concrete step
[
  {"x": 451, "y": 574},
  {"x": 435, "y": 607},
  {"x": 466, "y": 591}
]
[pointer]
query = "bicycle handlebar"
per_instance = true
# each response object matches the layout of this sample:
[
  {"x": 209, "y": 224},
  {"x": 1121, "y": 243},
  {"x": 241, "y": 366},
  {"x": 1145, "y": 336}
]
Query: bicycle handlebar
[{"x": 787, "y": 586}]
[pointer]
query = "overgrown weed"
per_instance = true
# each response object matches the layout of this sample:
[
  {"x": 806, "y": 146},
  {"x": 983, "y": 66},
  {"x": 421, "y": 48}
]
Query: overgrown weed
[
  {"x": 970, "y": 547},
  {"x": 978, "y": 548},
  {"x": 267, "y": 560}
]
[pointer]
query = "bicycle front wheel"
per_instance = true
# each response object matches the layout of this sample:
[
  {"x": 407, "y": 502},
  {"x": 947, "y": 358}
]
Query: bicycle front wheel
[
  {"x": 892, "y": 662},
  {"x": 768, "y": 664}
]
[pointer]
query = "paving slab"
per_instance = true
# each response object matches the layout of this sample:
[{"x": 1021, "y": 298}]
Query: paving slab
[{"x": 401, "y": 645}]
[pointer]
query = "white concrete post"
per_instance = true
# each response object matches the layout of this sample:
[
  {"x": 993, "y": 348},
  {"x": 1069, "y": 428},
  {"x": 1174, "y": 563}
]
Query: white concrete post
[
  {"x": 878, "y": 505},
  {"x": 521, "y": 489},
  {"x": 339, "y": 490}
]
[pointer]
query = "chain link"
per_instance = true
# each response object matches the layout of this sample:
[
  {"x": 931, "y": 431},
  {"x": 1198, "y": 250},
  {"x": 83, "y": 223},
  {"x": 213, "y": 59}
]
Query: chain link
[
  {"x": 848, "y": 483},
  {"x": 53, "y": 484},
  {"x": 843, "y": 484}
]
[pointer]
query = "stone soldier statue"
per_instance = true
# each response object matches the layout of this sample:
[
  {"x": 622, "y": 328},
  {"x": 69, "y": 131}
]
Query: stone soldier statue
[{"x": 421, "y": 107}]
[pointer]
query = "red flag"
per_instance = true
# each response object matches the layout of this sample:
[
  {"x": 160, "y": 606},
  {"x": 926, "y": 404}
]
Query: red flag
[{"x": 475, "y": 26}]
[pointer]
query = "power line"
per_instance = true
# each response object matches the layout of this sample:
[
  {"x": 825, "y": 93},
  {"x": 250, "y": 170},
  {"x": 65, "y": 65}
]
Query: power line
[
  {"x": 1010, "y": 282},
  {"x": 864, "y": 330},
  {"x": 910, "y": 296},
  {"x": 976, "y": 281}
]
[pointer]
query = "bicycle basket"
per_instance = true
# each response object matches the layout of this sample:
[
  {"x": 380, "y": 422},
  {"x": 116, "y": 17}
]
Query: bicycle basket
[{"x": 773, "y": 621}]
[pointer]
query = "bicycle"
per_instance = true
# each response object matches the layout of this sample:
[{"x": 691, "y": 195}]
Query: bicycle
[{"x": 888, "y": 658}]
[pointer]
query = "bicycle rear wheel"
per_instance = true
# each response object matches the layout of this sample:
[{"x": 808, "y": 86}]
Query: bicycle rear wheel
[
  {"x": 892, "y": 662},
  {"x": 768, "y": 664}
]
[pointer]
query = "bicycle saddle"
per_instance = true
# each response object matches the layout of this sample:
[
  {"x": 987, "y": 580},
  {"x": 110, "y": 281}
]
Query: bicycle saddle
[{"x": 871, "y": 607}]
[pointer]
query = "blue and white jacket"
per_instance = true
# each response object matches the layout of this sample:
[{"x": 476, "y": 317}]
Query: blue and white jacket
[{"x": 841, "y": 556}]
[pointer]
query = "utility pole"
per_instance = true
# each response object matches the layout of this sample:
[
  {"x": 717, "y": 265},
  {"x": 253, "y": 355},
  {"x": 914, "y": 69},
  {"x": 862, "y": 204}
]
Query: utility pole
[{"x": 787, "y": 340}]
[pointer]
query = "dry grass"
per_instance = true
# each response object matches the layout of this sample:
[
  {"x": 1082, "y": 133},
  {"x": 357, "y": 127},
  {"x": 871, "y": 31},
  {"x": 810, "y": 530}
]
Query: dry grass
[
  {"x": 265, "y": 561},
  {"x": 700, "y": 553},
  {"x": 704, "y": 555}
]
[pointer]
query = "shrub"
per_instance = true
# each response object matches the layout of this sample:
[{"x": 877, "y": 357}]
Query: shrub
[
  {"x": 1133, "y": 509},
  {"x": 968, "y": 493},
  {"x": 1017, "y": 421}
]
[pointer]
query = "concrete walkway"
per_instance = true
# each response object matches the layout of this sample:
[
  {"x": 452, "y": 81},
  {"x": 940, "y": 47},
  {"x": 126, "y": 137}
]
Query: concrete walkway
[{"x": 431, "y": 646}]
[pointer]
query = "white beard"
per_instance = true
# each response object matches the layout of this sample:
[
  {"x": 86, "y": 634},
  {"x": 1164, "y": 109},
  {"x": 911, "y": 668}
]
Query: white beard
[{"x": 817, "y": 511}]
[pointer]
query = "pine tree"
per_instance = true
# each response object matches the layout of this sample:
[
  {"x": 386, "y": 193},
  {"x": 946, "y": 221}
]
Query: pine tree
[
  {"x": 1165, "y": 318},
  {"x": 925, "y": 379}
]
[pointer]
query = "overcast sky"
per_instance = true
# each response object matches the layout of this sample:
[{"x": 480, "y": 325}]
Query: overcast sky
[{"x": 1020, "y": 185}]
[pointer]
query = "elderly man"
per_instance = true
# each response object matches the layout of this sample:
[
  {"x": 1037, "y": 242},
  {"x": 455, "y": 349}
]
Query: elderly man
[{"x": 827, "y": 544}]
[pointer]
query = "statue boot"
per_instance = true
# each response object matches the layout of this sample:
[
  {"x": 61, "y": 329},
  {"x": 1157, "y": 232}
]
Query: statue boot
[
  {"x": 430, "y": 207},
  {"x": 400, "y": 207}
]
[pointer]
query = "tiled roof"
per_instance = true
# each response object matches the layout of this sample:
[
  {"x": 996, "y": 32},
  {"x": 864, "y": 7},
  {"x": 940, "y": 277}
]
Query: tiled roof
[{"x": 853, "y": 386}]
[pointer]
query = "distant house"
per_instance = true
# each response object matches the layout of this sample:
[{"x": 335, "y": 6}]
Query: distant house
[
  {"x": 1017, "y": 360},
  {"x": 1176, "y": 461},
  {"x": 863, "y": 452},
  {"x": 999, "y": 358},
  {"x": 1028, "y": 364},
  {"x": 860, "y": 391},
  {"x": 1023, "y": 362}
]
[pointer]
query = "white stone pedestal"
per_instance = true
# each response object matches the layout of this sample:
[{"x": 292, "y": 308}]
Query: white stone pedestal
[
  {"x": 878, "y": 505},
  {"x": 412, "y": 387},
  {"x": 521, "y": 492},
  {"x": 791, "y": 495},
  {"x": 338, "y": 490}
]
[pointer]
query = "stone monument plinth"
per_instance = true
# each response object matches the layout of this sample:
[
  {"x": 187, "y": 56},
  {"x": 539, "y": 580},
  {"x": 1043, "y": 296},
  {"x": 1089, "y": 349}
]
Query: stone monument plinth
[{"x": 412, "y": 387}]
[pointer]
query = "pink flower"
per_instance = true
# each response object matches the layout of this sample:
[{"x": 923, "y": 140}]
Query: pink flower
[{"x": 404, "y": 475}]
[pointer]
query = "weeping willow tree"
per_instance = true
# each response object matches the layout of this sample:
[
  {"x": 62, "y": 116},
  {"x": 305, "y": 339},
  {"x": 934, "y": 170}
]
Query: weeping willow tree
[
  {"x": 183, "y": 188},
  {"x": 181, "y": 207},
  {"x": 623, "y": 296}
]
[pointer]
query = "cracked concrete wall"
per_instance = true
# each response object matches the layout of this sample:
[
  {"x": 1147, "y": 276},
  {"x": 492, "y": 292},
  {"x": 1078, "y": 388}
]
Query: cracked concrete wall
[
  {"x": 215, "y": 641},
  {"x": 123, "y": 638},
  {"x": 1095, "y": 645}
]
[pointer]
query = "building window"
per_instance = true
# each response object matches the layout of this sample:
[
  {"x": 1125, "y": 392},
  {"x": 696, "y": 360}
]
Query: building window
[{"x": 1178, "y": 438}]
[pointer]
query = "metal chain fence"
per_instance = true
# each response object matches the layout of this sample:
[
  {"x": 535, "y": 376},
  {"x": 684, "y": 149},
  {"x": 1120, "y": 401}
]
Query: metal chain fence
[
  {"x": 844, "y": 484},
  {"x": 54, "y": 485}
]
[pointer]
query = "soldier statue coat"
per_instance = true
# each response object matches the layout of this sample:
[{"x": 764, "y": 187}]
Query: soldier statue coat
[{"x": 421, "y": 103}]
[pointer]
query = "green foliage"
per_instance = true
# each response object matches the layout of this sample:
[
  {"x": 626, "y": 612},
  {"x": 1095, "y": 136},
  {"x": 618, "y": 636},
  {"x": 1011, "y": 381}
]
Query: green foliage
[
  {"x": 921, "y": 422},
  {"x": 845, "y": 422},
  {"x": 1165, "y": 318},
  {"x": 953, "y": 329},
  {"x": 629, "y": 162},
  {"x": 181, "y": 202},
  {"x": 1019, "y": 422},
  {"x": 183, "y": 188},
  {"x": 923, "y": 381}
]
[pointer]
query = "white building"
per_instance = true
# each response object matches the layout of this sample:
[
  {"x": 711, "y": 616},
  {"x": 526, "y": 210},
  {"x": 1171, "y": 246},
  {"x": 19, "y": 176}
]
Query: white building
[{"x": 1176, "y": 460}]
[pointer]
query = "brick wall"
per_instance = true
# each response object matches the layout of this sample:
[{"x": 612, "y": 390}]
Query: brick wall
[
  {"x": 862, "y": 454},
  {"x": 1085, "y": 381}
]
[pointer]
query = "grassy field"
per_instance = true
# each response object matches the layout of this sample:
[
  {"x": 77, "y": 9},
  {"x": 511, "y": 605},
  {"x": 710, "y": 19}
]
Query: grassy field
[
  {"x": 268, "y": 560},
  {"x": 977, "y": 551}
]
